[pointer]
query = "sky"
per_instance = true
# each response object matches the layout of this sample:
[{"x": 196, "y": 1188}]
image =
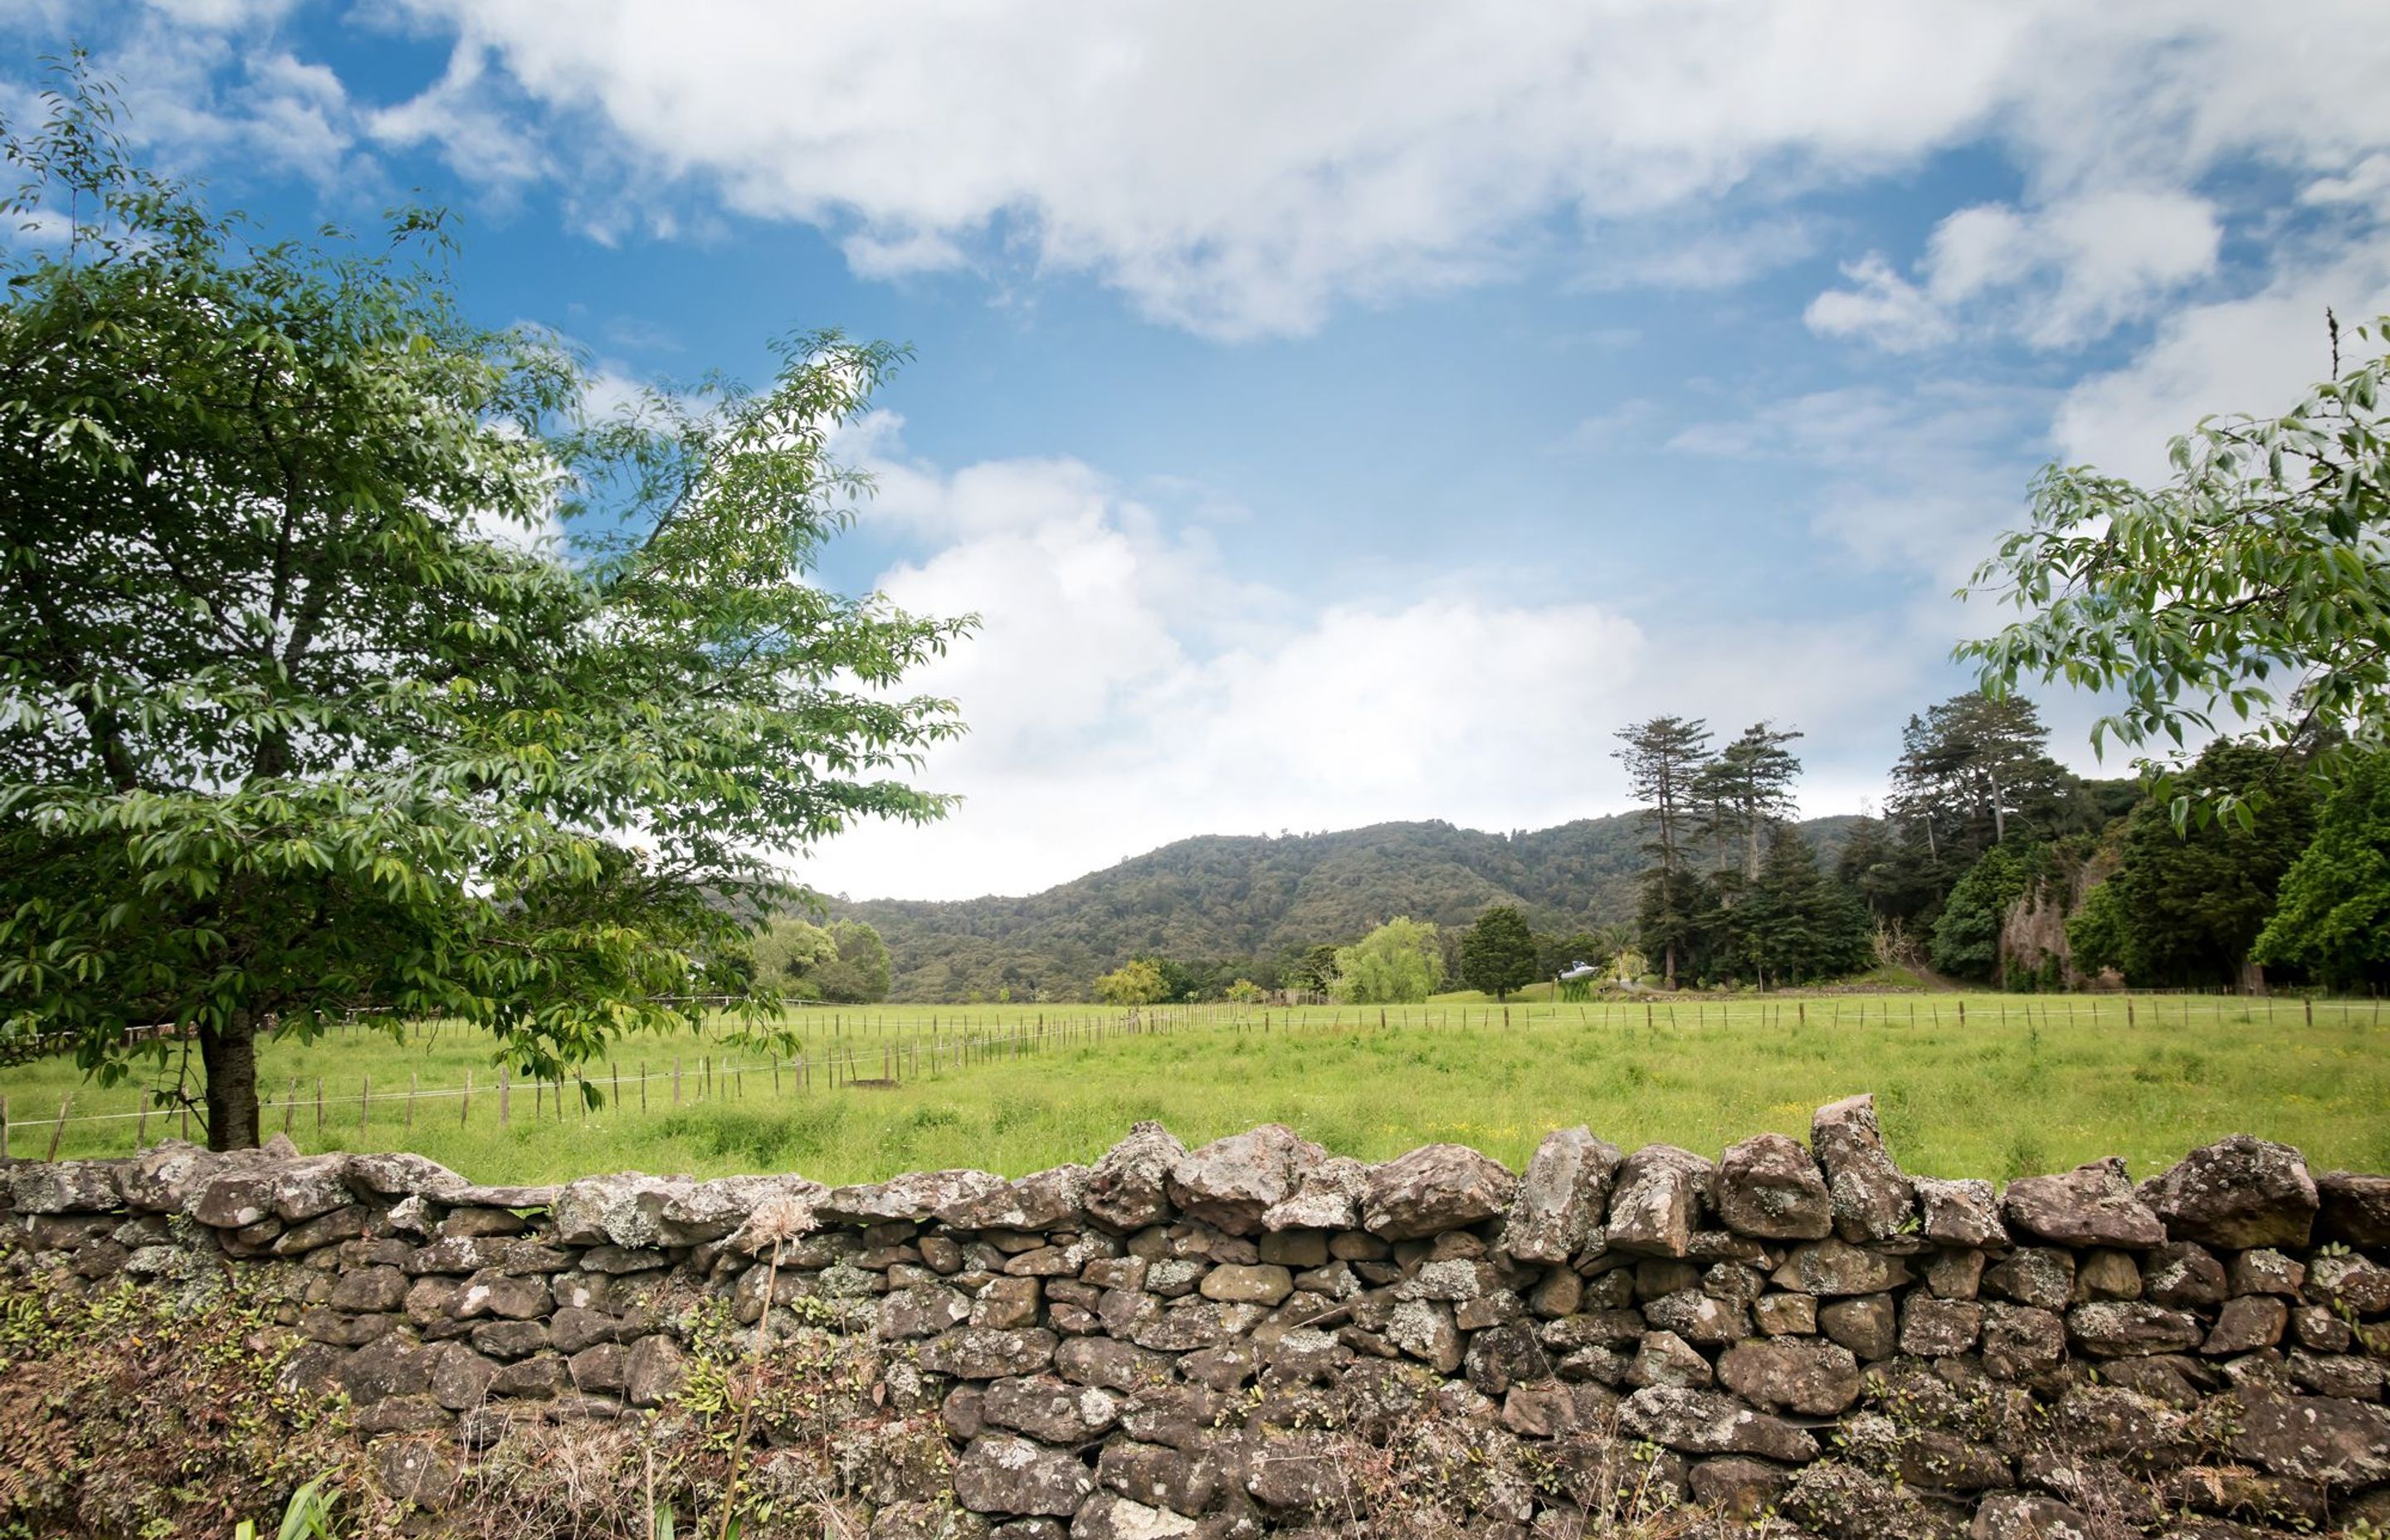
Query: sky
[{"x": 1360, "y": 411}]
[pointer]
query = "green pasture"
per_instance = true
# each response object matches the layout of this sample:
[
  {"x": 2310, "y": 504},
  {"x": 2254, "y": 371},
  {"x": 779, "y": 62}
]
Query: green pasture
[{"x": 1968, "y": 1086}]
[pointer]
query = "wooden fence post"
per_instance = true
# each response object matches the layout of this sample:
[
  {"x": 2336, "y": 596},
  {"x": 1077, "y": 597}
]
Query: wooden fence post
[
  {"x": 289, "y": 1104},
  {"x": 505, "y": 1108},
  {"x": 365, "y": 1103},
  {"x": 59, "y": 1129},
  {"x": 319, "y": 1107},
  {"x": 465, "y": 1103}
]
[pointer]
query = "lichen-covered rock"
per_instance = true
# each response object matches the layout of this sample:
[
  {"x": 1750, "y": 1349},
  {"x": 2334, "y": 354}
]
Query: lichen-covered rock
[
  {"x": 999, "y": 1473},
  {"x": 64, "y": 1187},
  {"x": 1049, "y": 1410},
  {"x": 1704, "y": 1422},
  {"x": 2352, "y": 1209},
  {"x": 989, "y": 1352},
  {"x": 924, "y": 1309},
  {"x": 625, "y": 1207},
  {"x": 1048, "y": 1199},
  {"x": 1657, "y": 1201},
  {"x": 2352, "y": 1281},
  {"x": 1298, "y": 1470},
  {"x": 1232, "y": 1183},
  {"x": 1434, "y": 1188},
  {"x": 914, "y": 1197},
  {"x": 2021, "y": 1340},
  {"x": 1965, "y": 1213},
  {"x": 654, "y": 1372},
  {"x": 2180, "y": 1275},
  {"x": 2237, "y": 1192},
  {"x": 2131, "y": 1328},
  {"x": 397, "y": 1174},
  {"x": 2345, "y": 1444},
  {"x": 2028, "y": 1516},
  {"x": 1328, "y": 1197},
  {"x": 1803, "y": 1374},
  {"x": 709, "y": 1210},
  {"x": 2246, "y": 1325},
  {"x": 1561, "y": 1198},
  {"x": 1130, "y": 1187},
  {"x": 161, "y": 1178},
  {"x": 1872, "y": 1199},
  {"x": 1837, "y": 1267},
  {"x": 1768, "y": 1187},
  {"x": 2092, "y": 1205},
  {"x": 1109, "y": 1516}
]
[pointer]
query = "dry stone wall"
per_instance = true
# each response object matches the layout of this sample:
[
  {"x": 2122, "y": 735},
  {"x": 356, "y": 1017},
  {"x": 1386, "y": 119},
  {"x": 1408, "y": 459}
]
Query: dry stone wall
[{"x": 1237, "y": 1339}]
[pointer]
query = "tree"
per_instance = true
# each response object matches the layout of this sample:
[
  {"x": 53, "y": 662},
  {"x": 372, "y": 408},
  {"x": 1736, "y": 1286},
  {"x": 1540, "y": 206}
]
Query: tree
[
  {"x": 1556, "y": 954},
  {"x": 2191, "y": 902},
  {"x": 1664, "y": 757},
  {"x": 1497, "y": 953},
  {"x": 1398, "y": 963},
  {"x": 1970, "y": 769},
  {"x": 1135, "y": 982},
  {"x": 1244, "y": 991},
  {"x": 298, "y": 711},
  {"x": 2333, "y": 915},
  {"x": 1967, "y": 937},
  {"x": 2256, "y": 580},
  {"x": 1798, "y": 925},
  {"x": 1745, "y": 791}
]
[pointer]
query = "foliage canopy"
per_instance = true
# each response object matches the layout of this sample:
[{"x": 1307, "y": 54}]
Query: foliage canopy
[{"x": 305, "y": 703}]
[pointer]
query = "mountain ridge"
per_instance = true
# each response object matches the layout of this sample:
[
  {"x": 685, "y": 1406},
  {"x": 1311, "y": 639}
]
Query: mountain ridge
[{"x": 1239, "y": 897}]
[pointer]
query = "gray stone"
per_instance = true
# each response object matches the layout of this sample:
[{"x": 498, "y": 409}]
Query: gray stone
[
  {"x": 2131, "y": 1328},
  {"x": 1801, "y": 1374},
  {"x": 164, "y": 1178},
  {"x": 2042, "y": 1277},
  {"x": 1043, "y": 1200},
  {"x": 2092, "y": 1205},
  {"x": 1657, "y": 1199},
  {"x": 1128, "y": 1189},
  {"x": 1561, "y": 1198},
  {"x": 64, "y": 1187},
  {"x": 2237, "y": 1192},
  {"x": 1867, "y": 1325},
  {"x": 2246, "y": 1324},
  {"x": 710, "y": 1211},
  {"x": 1232, "y": 1183},
  {"x": 1434, "y": 1188},
  {"x": 914, "y": 1197},
  {"x": 370, "y": 1289},
  {"x": 2028, "y": 1516},
  {"x": 1872, "y": 1199},
  {"x": 2182, "y": 1274},
  {"x": 1049, "y": 1410},
  {"x": 2352, "y": 1281},
  {"x": 1665, "y": 1358},
  {"x": 1704, "y": 1422},
  {"x": 1262, "y": 1283},
  {"x": 460, "y": 1377},
  {"x": 1157, "y": 1476},
  {"x": 397, "y": 1173},
  {"x": 306, "y": 1187},
  {"x": 1109, "y": 1516},
  {"x": 1786, "y": 1314},
  {"x": 625, "y": 1207},
  {"x": 2021, "y": 1341},
  {"x": 1965, "y": 1213},
  {"x": 998, "y": 1473},
  {"x": 2352, "y": 1209},
  {"x": 1327, "y": 1197},
  {"x": 1298, "y": 1471},
  {"x": 1768, "y": 1185},
  {"x": 1830, "y": 1267},
  {"x": 655, "y": 1370},
  {"x": 987, "y": 1353},
  {"x": 924, "y": 1310},
  {"x": 2266, "y": 1271},
  {"x": 1699, "y": 1318},
  {"x": 2345, "y": 1444},
  {"x": 1939, "y": 1329}
]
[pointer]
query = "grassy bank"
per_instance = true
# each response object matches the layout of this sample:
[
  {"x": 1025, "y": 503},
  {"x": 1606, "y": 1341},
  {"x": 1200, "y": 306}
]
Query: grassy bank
[{"x": 1985, "y": 1085}]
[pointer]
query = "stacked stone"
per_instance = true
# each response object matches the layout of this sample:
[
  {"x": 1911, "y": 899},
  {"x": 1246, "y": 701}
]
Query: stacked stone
[{"x": 1175, "y": 1342}]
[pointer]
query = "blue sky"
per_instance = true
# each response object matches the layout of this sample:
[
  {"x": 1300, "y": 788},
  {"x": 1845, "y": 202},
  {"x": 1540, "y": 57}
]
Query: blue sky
[{"x": 1360, "y": 411}]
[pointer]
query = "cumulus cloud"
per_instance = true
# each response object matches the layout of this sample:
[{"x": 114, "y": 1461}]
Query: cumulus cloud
[
  {"x": 1242, "y": 167},
  {"x": 1127, "y": 688},
  {"x": 2055, "y": 277}
]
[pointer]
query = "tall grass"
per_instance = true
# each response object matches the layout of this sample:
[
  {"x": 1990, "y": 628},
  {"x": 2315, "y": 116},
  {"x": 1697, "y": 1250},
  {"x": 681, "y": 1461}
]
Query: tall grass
[{"x": 2020, "y": 1086}]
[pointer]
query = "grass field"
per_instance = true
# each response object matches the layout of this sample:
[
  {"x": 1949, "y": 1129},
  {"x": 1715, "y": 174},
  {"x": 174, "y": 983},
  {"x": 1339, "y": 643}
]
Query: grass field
[{"x": 2020, "y": 1084}]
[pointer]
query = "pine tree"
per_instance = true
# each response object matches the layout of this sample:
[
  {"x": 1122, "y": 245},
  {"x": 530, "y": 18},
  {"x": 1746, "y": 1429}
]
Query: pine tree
[
  {"x": 1664, "y": 759},
  {"x": 1797, "y": 925},
  {"x": 1498, "y": 955}
]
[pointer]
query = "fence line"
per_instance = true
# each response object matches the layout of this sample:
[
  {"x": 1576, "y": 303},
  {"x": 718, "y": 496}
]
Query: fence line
[{"x": 972, "y": 1040}]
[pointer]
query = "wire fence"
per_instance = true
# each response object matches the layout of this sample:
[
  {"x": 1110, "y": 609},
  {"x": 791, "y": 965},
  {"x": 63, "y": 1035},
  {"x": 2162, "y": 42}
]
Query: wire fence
[{"x": 849, "y": 1051}]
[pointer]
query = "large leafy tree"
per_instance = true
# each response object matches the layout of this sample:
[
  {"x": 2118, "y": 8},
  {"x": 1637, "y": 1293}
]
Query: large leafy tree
[
  {"x": 2185, "y": 906},
  {"x": 2332, "y": 917},
  {"x": 1497, "y": 953},
  {"x": 2253, "y": 586},
  {"x": 298, "y": 710},
  {"x": 1398, "y": 963}
]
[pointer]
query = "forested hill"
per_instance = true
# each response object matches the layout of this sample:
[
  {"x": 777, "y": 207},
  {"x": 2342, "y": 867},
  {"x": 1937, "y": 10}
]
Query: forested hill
[{"x": 1225, "y": 898}]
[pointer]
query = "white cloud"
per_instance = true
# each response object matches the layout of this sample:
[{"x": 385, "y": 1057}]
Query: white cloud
[
  {"x": 1126, "y": 690},
  {"x": 1242, "y": 167},
  {"x": 2057, "y": 276}
]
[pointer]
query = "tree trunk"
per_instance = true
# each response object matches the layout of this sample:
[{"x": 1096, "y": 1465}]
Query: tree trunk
[{"x": 229, "y": 1055}]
